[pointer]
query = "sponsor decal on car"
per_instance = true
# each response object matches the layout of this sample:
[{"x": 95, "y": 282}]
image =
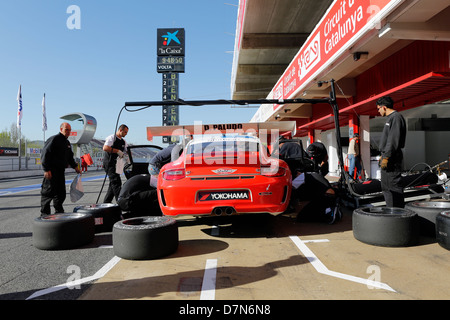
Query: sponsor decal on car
[{"x": 223, "y": 195}]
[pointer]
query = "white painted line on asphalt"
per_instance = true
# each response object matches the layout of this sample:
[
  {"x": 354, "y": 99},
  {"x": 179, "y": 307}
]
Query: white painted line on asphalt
[
  {"x": 321, "y": 268},
  {"x": 315, "y": 241},
  {"x": 209, "y": 280},
  {"x": 100, "y": 273}
]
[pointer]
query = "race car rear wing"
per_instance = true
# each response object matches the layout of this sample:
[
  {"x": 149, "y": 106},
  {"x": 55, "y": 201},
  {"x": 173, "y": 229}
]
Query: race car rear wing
[{"x": 223, "y": 128}]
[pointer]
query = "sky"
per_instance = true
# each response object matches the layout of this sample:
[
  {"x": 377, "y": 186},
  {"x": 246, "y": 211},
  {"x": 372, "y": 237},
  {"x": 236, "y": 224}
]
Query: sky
[{"x": 109, "y": 59}]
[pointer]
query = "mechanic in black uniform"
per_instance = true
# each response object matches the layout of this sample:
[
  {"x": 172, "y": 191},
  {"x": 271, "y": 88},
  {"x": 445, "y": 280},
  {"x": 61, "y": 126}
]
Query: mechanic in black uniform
[
  {"x": 166, "y": 155},
  {"x": 391, "y": 161},
  {"x": 318, "y": 153},
  {"x": 138, "y": 198},
  {"x": 114, "y": 147},
  {"x": 57, "y": 155}
]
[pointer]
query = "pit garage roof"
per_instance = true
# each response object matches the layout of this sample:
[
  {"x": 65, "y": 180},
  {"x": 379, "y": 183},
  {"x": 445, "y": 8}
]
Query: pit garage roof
[
  {"x": 269, "y": 34},
  {"x": 264, "y": 56}
]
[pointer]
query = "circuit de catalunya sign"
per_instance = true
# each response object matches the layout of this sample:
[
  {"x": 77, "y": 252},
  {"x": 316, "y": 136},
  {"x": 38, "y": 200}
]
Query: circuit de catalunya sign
[{"x": 345, "y": 22}]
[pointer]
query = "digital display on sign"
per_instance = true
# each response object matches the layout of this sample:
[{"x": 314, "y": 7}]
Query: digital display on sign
[
  {"x": 170, "y": 64},
  {"x": 170, "y": 42}
]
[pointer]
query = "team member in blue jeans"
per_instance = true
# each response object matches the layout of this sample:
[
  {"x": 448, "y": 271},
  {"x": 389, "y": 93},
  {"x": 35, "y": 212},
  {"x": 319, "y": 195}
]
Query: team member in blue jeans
[{"x": 354, "y": 157}]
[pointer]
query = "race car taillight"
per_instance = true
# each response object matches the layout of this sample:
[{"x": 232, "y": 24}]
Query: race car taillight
[
  {"x": 273, "y": 171},
  {"x": 176, "y": 174}
]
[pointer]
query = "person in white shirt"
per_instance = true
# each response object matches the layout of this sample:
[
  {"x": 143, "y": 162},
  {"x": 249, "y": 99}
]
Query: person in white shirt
[
  {"x": 354, "y": 157},
  {"x": 114, "y": 147}
]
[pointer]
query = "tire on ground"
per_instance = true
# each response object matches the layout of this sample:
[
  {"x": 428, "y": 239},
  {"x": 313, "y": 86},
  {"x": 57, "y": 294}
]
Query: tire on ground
[
  {"x": 145, "y": 238},
  {"x": 427, "y": 212},
  {"x": 443, "y": 229},
  {"x": 63, "y": 231},
  {"x": 105, "y": 215},
  {"x": 386, "y": 226}
]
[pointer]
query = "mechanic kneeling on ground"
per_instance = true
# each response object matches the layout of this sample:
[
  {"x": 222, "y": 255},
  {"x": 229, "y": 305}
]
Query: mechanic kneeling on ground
[
  {"x": 313, "y": 198},
  {"x": 138, "y": 198}
]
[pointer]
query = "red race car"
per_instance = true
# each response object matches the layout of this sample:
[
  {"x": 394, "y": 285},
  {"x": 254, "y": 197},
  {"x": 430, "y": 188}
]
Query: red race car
[{"x": 225, "y": 174}]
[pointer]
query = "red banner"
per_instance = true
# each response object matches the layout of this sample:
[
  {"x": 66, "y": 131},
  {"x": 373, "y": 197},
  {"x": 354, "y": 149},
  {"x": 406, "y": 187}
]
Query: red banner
[{"x": 344, "y": 23}]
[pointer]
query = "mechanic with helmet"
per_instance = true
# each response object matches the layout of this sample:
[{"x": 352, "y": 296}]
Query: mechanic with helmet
[{"x": 319, "y": 155}]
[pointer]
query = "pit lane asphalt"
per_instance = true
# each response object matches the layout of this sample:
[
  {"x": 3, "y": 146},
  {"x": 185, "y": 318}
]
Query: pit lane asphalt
[
  {"x": 257, "y": 258},
  {"x": 24, "y": 269}
]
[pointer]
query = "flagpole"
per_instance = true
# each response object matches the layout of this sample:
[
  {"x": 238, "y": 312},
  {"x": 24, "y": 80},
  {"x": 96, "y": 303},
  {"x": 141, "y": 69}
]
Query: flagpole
[
  {"x": 19, "y": 122},
  {"x": 44, "y": 117}
]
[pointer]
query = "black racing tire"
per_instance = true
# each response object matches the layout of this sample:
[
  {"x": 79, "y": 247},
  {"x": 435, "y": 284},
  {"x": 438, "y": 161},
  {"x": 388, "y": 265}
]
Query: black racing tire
[
  {"x": 443, "y": 229},
  {"x": 63, "y": 231},
  {"x": 427, "y": 212},
  {"x": 105, "y": 215},
  {"x": 145, "y": 238},
  {"x": 386, "y": 226}
]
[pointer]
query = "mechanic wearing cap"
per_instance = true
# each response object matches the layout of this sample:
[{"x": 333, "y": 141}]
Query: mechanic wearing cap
[
  {"x": 391, "y": 143},
  {"x": 354, "y": 157}
]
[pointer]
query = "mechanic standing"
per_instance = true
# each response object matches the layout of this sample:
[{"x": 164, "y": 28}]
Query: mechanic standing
[
  {"x": 391, "y": 161},
  {"x": 114, "y": 147},
  {"x": 57, "y": 155}
]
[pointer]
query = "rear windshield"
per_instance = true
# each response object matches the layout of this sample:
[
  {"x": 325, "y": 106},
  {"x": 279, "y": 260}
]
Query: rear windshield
[{"x": 227, "y": 146}]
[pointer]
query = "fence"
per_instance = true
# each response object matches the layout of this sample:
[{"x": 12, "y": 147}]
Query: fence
[{"x": 12, "y": 164}]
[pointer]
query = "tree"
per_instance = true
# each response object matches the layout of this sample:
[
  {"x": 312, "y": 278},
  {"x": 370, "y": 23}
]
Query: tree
[{"x": 10, "y": 139}]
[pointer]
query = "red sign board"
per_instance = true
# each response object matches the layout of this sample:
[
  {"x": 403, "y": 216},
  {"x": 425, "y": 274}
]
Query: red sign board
[{"x": 344, "y": 23}]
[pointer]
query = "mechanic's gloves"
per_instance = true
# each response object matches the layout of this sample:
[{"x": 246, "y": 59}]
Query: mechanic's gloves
[
  {"x": 384, "y": 163},
  {"x": 120, "y": 153}
]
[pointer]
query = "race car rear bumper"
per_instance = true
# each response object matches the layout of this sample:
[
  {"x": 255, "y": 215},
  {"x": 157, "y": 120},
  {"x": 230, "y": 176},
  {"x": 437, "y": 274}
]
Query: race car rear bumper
[{"x": 259, "y": 195}]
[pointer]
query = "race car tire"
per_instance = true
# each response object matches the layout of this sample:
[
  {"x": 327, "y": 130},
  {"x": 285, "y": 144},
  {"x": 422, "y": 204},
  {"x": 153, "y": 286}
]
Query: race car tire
[
  {"x": 145, "y": 238},
  {"x": 63, "y": 231},
  {"x": 443, "y": 229},
  {"x": 427, "y": 212},
  {"x": 105, "y": 215},
  {"x": 386, "y": 226}
]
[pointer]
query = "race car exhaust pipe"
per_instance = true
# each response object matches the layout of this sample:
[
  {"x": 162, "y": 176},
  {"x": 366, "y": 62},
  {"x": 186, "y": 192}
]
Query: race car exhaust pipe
[
  {"x": 217, "y": 211},
  {"x": 229, "y": 211}
]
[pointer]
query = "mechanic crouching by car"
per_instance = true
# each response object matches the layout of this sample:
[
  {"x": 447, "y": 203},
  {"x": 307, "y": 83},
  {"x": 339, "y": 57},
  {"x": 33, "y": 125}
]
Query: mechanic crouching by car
[
  {"x": 138, "y": 197},
  {"x": 314, "y": 199},
  {"x": 319, "y": 155}
]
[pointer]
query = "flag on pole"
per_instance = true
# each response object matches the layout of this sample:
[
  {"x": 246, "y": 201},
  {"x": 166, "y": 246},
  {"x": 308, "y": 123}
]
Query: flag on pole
[
  {"x": 19, "y": 111},
  {"x": 44, "y": 117}
]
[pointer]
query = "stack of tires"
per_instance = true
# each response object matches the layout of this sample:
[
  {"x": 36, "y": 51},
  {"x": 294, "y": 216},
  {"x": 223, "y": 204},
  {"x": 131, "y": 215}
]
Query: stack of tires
[
  {"x": 141, "y": 238},
  {"x": 105, "y": 215},
  {"x": 72, "y": 230},
  {"x": 63, "y": 231},
  {"x": 386, "y": 226},
  {"x": 398, "y": 227}
]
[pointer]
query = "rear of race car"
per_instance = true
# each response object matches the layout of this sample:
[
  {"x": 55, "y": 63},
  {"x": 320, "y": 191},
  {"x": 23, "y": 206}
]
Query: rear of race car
[{"x": 232, "y": 178}]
